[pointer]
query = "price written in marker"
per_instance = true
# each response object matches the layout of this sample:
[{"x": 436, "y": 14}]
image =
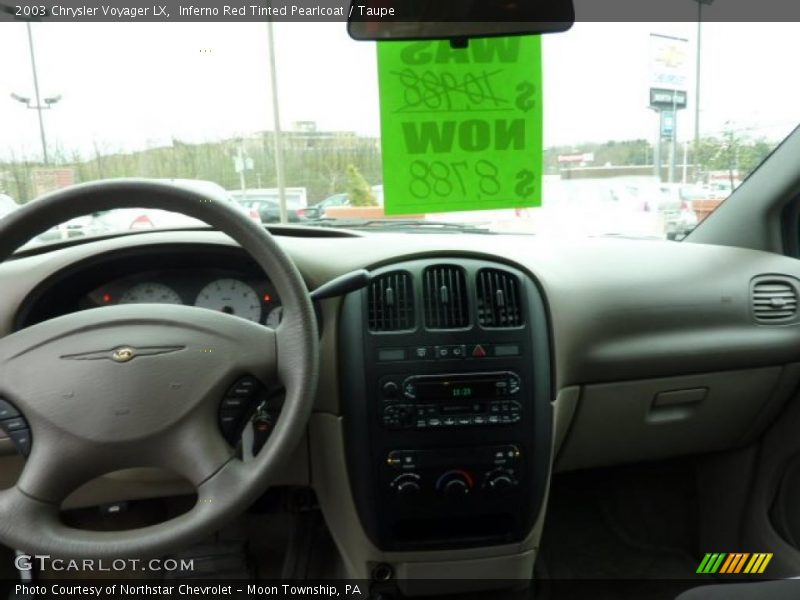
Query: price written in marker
[{"x": 461, "y": 127}]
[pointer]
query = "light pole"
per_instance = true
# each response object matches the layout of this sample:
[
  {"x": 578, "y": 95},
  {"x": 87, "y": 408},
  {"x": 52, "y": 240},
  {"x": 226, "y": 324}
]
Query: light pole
[
  {"x": 700, "y": 4},
  {"x": 38, "y": 107},
  {"x": 276, "y": 117}
]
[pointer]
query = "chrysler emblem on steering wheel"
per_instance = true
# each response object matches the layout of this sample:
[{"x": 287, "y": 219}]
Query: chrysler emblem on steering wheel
[{"x": 123, "y": 354}]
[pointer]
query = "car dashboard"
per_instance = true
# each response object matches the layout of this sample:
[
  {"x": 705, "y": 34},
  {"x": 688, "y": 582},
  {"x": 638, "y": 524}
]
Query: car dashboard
[{"x": 434, "y": 434}]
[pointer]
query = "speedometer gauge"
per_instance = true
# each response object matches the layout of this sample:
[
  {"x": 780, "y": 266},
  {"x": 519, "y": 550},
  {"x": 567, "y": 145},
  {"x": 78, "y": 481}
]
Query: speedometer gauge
[
  {"x": 150, "y": 293},
  {"x": 231, "y": 296}
]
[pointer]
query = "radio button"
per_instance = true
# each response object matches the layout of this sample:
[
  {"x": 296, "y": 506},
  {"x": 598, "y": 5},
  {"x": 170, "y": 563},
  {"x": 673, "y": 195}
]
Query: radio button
[
  {"x": 442, "y": 352},
  {"x": 422, "y": 353},
  {"x": 451, "y": 352}
]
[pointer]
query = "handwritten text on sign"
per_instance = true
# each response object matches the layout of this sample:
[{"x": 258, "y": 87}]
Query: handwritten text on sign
[{"x": 461, "y": 128}]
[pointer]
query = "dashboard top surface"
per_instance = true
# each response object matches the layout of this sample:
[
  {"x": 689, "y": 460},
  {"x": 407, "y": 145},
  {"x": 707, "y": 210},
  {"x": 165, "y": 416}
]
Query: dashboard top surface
[{"x": 618, "y": 309}]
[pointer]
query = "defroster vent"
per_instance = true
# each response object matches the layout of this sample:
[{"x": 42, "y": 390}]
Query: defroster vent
[
  {"x": 499, "y": 303},
  {"x": 774, "y": 300},
  {"x": 391, "y": 302},
  {"x": 445, "y": 294}
]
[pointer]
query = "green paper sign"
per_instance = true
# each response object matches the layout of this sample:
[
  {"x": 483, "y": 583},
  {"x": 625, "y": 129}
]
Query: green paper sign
[{"x": 461, "y": 128}]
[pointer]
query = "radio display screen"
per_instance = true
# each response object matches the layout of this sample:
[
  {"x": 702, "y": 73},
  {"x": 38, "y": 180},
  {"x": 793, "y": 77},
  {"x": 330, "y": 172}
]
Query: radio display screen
[{"x": 456, "y": 390}]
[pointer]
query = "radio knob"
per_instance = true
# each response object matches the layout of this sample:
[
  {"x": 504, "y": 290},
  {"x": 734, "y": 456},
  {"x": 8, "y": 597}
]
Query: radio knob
[
  {"x": 455, "y": 484},
  {"x": 390, "y": 389}
]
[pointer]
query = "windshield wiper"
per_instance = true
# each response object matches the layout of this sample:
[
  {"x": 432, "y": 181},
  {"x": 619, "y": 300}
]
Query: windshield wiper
[{"x": 407, "y": 225}]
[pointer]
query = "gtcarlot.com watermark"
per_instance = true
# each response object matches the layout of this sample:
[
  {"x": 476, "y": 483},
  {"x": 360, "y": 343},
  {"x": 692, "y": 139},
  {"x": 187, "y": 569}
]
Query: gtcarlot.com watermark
[{"x": 44, "y": 562}]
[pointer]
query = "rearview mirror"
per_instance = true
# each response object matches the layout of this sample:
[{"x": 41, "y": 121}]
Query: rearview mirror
[{"x": 383, "y": 20}]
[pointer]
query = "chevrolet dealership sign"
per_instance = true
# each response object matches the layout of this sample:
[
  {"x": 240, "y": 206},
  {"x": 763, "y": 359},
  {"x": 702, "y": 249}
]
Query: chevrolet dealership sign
[{"x": 667, "y": 99}]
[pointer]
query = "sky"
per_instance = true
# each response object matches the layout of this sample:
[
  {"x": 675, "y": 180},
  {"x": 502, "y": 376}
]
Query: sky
[{"x": 127, "y": 86}]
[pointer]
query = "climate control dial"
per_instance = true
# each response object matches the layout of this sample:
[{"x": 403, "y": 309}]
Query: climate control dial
[
  {"x": 407, "y": 484},
  {"x": 499, "y": 480},
  {"x": 456, "y": 483}
]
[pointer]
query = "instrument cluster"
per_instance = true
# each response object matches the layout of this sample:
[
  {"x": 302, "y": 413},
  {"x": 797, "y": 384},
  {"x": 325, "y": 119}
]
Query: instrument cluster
[{"x": 231, "y": 292}]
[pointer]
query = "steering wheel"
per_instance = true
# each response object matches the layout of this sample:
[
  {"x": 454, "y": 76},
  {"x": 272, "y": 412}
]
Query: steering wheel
[{"x": 140, "y": 385}]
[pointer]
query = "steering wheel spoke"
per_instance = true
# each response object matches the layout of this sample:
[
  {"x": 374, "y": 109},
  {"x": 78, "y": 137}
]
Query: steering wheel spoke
[{"x": 194, "y": 450}]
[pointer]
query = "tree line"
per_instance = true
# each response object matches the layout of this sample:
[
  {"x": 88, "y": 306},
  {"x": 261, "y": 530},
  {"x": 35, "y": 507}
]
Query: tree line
[
  {"x": 729, "y": 151},
  {"x": 324, "y": 166},
  {"x": 321, "y": 166}
]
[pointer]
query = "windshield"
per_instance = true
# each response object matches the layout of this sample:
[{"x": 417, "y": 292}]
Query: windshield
[{"x": 195, "y": 104}]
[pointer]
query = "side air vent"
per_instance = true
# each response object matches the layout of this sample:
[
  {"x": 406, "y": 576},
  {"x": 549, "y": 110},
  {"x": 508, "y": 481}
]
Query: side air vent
[
  {"x": 774, "y": 300},
  {"x": 499, "y": 303},
  {"x": 390, "y": 302},
  {"x": 445, "y": 294}
]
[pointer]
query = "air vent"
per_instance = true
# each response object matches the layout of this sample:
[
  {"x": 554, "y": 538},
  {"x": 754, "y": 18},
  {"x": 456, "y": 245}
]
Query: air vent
[
  {"x": 445, "y": 293},
  {"x": 391, "y": 302},
  {"x": 499, "y": 302},
  {"x": 774, "y": 300}
]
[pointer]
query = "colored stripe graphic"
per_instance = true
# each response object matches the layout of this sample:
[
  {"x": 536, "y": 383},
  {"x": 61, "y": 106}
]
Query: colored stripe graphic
[
  {"x": 703, "y": 564},
  {"x": 711, "y": 562},
  {"x": 740, "y": 563},
  {"x": 727, "y": 564},
  {"x": 734, "y": 563},
  {"x": 767, "y": 558}
]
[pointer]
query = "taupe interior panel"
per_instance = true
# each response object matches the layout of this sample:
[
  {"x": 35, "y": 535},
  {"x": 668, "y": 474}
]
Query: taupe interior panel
[{"x": 658, "y": 418}]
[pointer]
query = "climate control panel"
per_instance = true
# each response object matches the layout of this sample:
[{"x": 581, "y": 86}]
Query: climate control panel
[{"x": 453, "y": 472}]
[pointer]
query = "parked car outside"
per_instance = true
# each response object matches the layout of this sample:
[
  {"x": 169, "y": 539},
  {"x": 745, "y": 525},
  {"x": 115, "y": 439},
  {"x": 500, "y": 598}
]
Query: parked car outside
[
  {"x": 667, "y": 202},
  {"x": 677, "y": 210},
  {"x": 317, "y": 211},
  {"x": 267, "y": 207},
  {"x": 147, "y": 218}
]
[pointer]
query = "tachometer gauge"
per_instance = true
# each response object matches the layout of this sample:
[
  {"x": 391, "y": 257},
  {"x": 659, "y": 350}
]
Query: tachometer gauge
[
  {"x": 150, "y": 293},
  {"x": 231, "y": 296}
]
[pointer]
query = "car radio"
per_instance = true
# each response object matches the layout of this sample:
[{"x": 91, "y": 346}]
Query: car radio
[{"x": 451, "y": 400}]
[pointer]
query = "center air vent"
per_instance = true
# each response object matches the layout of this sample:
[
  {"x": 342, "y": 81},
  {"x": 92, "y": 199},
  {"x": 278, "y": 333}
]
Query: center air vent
[
  {"x": 498, "y": 299},
  {"x": 774, "y": 300},
  {"x": 445, "y": 293},
  {"x": 390, "y": 302}
]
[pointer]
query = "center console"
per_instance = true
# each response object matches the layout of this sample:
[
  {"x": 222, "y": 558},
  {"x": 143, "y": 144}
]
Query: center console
[{"x": 446, "y": 395}]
